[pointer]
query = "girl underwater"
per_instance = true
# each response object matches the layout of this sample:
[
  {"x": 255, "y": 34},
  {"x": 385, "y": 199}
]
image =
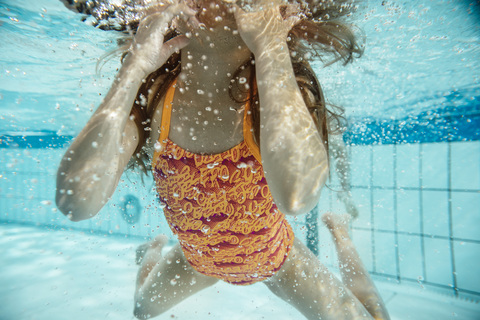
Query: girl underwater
[{"x": 221, "y": 100}]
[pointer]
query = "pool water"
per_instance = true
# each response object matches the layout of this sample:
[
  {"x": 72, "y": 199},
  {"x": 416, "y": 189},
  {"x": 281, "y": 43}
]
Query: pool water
[
  {"x": 412, "y": 102},
  {"x": 52, "y": 275}
]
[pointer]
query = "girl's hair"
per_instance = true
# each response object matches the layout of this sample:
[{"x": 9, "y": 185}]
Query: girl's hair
[{"x": 319, "y": 34}]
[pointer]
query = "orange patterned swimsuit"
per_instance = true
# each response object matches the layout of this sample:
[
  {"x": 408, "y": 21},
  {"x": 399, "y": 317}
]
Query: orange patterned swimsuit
[{"x": 220, "y": 207}]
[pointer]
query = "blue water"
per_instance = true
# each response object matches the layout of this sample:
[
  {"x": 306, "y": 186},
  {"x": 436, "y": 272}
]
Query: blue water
[
  {"x": 417, "y": 54},
  {"x": 412, "y": 102}
]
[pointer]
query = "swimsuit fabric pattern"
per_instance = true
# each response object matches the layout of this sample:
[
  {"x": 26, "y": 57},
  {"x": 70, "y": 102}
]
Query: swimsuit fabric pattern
[{"x": 221, "y": 209}]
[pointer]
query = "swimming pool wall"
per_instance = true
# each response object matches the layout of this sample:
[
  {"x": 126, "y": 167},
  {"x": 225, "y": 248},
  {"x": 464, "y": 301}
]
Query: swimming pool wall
[{"x": 418, "y": 197}]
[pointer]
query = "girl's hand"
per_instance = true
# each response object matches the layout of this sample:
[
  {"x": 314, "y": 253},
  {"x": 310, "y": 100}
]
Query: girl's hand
[
  {"x": 148, "y": 49},
  {"x": 264, "y": 27}
]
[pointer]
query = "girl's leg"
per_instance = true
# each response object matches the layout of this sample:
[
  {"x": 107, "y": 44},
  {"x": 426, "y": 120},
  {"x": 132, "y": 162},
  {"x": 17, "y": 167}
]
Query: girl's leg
[
  {"x": 354, "y": 274},
  {"x": 308, "y": 285},
  {"x": 164, "y": 281}
]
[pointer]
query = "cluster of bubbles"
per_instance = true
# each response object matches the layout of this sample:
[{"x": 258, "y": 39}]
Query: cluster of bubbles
[{"x": 117, "y": 15}]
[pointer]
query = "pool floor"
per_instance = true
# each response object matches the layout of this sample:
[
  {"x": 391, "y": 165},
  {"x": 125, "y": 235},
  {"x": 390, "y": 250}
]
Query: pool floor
[{"x": 73, "y": 275}]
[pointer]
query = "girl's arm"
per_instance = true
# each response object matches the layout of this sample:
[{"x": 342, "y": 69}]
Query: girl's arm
[
  {"x": 293, "y": 153},
  {"x": 92, "y": 166}
]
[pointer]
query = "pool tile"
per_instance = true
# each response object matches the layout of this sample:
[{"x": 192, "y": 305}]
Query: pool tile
[
  {"x": 408, "y": 165},
  {"x": 438, "y": 261},
  {"x": 466, "y": 215},
  {"x": 435, "y": 213},
  {"x": 465, "y": 165},
  {"x": 383, "y": 173},
  {"x": 408, "y": 211},
  {"x": 434, "y": 158},
  {"x": 410, "y": 257},
  {"x": 383, "y": 210}
]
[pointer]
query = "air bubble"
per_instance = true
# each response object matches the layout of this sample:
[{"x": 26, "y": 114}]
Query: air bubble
[
  {"x": 212, "y": 165},
  {"x": 205, "y": 229},
  {"x": 143, "y": 100}
]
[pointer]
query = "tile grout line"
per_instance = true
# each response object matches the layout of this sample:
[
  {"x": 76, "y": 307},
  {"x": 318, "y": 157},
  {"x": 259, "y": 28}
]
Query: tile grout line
[
  {"x": 395, "y": 213},
  {"x": 372, "y": 220},
  {"x": 450, "y": 221},
  {"x": 420, "y": 208}
]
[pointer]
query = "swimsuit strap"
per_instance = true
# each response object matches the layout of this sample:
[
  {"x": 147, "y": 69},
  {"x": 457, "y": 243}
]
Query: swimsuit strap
[
  {"x": 248, "y": 131},
  {"x": 167, "y": 113},
  {"x": 247, "y": 123}
]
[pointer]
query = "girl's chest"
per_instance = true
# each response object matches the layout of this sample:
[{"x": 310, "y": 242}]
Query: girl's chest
[{"x": 202, "y": 126}]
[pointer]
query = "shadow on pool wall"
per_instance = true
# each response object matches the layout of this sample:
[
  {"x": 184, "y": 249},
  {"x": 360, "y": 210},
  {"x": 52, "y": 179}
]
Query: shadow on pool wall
[{"x": 418, "y": 201}]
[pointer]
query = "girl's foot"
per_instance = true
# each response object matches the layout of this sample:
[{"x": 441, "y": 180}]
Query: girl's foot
[
  {"x": 337, "y": 224},
  {"x": 155, "y": 245}
]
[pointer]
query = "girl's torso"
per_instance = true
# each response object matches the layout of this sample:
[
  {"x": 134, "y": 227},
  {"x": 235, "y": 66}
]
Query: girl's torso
[
  {"x": 205, "y": 119},
  {"x": 201, "y": 124},
  {"x": 219, "y": 204}
]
